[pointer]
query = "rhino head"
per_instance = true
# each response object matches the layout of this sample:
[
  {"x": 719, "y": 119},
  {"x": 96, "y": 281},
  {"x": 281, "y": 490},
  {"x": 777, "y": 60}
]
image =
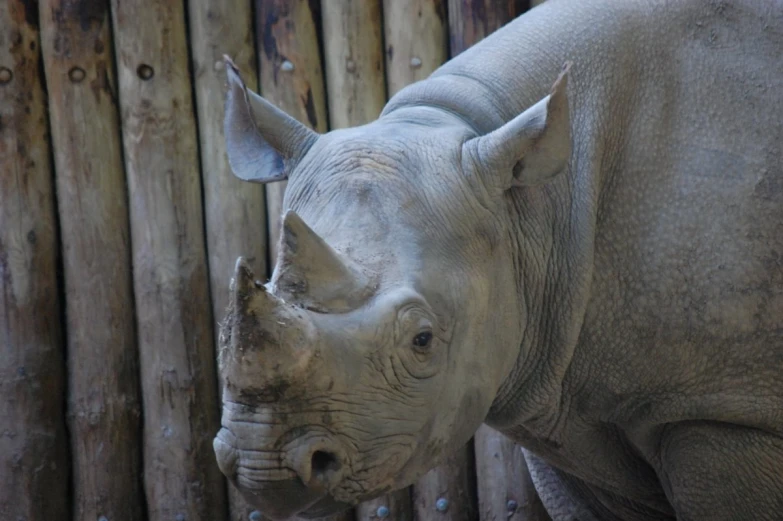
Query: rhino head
[{"x": 393, "y": 314}]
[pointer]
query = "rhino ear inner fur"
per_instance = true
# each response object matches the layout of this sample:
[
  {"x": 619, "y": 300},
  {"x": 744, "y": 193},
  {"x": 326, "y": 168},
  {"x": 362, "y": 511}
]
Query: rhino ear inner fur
[
  {"x": 532, "y": 148},
  {"x": 262, "y": 141}
]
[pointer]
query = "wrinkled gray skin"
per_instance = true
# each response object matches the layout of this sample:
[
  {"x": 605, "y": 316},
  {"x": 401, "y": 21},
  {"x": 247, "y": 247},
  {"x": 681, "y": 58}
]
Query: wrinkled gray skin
[{"x": 599, "y": 263}]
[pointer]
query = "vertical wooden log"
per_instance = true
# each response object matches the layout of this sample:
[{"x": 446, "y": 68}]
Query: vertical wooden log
[
  {"x": 506, "y": 491},
  {"x": 34, "y": 473},
  {"x": 103, "y": 384},
  {"x": 291, "y": 77},
  {"x": 234, "y": 210},
  {"x": 417, "y": 40},
  {"x": 395, "y": 506},
  {"x": 353, "y": 47},
  {"x": 356, "y": 89},
  {"x": 448, "y": 492},
  {"x": 171, "y": 284},
  {"x": 416, "y": 44},
  {"x": 472, "y": 20}
]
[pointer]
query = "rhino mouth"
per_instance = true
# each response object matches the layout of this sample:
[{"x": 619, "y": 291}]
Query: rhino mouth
[
  {"x": 282, "y": 500},
  {"x": 326, "y": 506}
]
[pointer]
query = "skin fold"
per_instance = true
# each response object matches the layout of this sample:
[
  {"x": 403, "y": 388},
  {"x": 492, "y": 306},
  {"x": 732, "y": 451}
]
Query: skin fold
[{"x": 572, "y": 231}]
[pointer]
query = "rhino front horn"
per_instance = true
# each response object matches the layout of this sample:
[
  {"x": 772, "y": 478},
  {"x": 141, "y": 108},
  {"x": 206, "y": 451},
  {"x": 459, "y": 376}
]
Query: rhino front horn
[
  {"x": 313, "y": 275},
  {"x": 264, "y": 341}
]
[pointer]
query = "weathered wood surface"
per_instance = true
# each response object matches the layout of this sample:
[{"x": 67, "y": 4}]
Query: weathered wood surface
[
  {"x": 34, "y": 466},
  {"x": 356, "y": 88},
  {"x": 534, "y": 3},
  {"x": 171, "y": 284},
  {"x": 506, "y": 490},
  {"x": 103, "y": 383},
  {"x": 472, "y": 20},
  {"x": 416, "y": 40},
  {"x": 234, "y": 211},
  {"x": 448, "y": 492},
  {"x": 392, "y": 507},
  {"x": 353, "y": 49},
  {"x": 292, "y": 78}
]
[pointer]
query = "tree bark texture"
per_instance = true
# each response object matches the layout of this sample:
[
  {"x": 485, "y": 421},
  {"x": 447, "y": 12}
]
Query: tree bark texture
[
  {"x": 505, "y": 491},
  {"x": 104, "y": 407},
  {"x": 34, "y": 464},
  {"x": 353, "y": 48},
  {"x": 291, "y": 77},
  {"x": 470, "y": 21},
  {"x": 416, "y": 40},
  {"x": 171, "y": 284},
  {"x": 235, "y": 210}
]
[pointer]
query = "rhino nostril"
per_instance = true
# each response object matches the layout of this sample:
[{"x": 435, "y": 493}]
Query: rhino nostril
[{"x": 323, "y": 462}]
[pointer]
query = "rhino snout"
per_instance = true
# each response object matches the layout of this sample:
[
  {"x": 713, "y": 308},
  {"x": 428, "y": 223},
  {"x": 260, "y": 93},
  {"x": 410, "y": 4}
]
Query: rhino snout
[{"x": 311, "y": 466}]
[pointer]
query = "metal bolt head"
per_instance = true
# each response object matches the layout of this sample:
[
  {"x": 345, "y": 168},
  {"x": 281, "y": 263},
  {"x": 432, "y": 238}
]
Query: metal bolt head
[
  {"x": 76, "y": 74},
  {"x": 255, "y": 515},
  {"x": 512, "y": 506},
  {"x": 5, "y": 75},
  {"x": 442, "y": 504},
  {"x": 350, "y": 66},
  {"x": 415, "y": 62},
  {"x": 382, "y": 512},
  {"x": 103, "y": 518},
  {"x": 180, "y": 517},
  {"x": 145, "y": 72},
  {"x": 286, "y": 66}
]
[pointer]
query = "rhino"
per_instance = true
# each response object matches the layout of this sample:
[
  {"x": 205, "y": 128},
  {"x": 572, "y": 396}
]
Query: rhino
[{"x": 571, "y": 232}]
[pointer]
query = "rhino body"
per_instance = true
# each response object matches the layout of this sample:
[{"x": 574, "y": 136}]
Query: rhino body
[{"x": 588, "y": 259}]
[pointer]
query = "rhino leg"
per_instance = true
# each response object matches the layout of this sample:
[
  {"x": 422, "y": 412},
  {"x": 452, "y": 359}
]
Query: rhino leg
[{"x": 559, "y": 500}]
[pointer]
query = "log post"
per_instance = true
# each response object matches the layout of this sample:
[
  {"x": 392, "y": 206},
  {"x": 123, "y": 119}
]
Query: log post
[
  {"x": 472, "y": 20},
  {"x": 291, "y": 77},
  {"x": 353, "y": 48},
  {"x": 34, "y": 465},
  {"x": 448, "y": 492},
  {"x": 235, "y": 211},
  {"x": 416, "y": 40},
  {"x": 506, "y": 491},
  {"x": 499, "y": 488},
  {"x": 171, "y": 284},
  {"x": 103, "y": 382},
  {"x": 356, "y": 90}
]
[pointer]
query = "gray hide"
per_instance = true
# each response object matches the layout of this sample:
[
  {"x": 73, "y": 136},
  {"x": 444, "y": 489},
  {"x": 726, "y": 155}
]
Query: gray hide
[{"x": 588, "y": 258}]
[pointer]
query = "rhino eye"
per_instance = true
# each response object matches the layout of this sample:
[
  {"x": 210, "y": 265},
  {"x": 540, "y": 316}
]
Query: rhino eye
[{"x": 422, "y": 340}]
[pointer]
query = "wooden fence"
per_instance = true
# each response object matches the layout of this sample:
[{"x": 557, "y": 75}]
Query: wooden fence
[{"x": 120, "y": 223}]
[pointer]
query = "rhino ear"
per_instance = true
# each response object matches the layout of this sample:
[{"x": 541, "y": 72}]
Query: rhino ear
[
  {"x": 262, "y": 142},
  {"x": 533, "y": 147}
]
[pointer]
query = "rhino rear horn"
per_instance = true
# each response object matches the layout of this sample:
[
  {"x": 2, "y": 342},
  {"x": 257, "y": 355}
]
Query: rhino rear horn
[
  {"x": 312, "y": 274},
  {"x": 263, "y": 143}
]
